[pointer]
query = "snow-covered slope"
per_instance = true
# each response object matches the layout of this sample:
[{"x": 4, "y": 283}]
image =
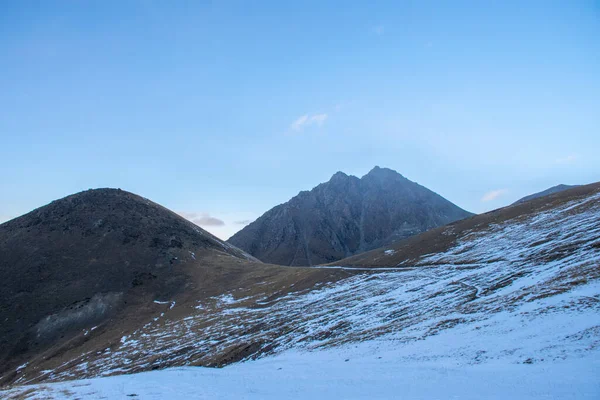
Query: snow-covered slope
[
  {"x": 349, "y": 373},
  {"x": 510, "y": 308}
]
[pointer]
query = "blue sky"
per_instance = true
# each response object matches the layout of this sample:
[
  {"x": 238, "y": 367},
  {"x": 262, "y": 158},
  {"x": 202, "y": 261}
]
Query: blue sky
[{"x": 221, "y": 110}]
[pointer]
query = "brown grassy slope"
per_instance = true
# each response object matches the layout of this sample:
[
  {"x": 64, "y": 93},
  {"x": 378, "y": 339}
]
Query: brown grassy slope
[
  {"x": 211, "y": 274},
  {"x": 440, "y": 239},
  {"x": 100, "y": 258}
]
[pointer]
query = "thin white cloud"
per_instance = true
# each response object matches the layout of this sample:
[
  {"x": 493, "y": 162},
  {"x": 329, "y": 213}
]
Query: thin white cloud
[
  {"x": 570, "y": 159},
  {"x": 493, "y": 195},
  {"x": 318, "y": 119},
  {"x": 187, "y": 215},
  {"x": 306, "y": 120},
  {"x": 207, "y": 220},
  {"x": 223, "y": 227},
  {"x": 379, "y": 30},
  {"x": 201, "y": 219},
  {"x": 298, "y": 124}
]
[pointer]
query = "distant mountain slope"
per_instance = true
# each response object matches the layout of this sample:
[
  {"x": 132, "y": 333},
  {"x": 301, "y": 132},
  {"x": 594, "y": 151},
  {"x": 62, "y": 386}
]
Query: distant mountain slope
[
  {"x": 512, "y": 288},
  {"x": 407, "y": 252},
  {"x": 553, "y": 189},
  {"x": 345, "y": 216}
]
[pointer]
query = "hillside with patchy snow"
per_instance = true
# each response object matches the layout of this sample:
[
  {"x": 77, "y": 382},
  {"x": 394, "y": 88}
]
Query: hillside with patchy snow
[{"x": 509, "y": 307}]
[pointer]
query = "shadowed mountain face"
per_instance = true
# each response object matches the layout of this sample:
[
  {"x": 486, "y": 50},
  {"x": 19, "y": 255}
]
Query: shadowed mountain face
[
  {"x": 77, "y": 261},
  {"x": 552, "y": 190},
  {"x": 345, "y": 216}
]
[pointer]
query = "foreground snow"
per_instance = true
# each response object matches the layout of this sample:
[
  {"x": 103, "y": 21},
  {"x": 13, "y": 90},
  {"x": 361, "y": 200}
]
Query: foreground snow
[
  {"x": 522, "y": 353},
  {"x": 361, "y": 372}
]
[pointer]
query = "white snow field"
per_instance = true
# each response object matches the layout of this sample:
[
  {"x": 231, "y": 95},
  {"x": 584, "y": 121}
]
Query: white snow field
[
  {"x": 510, "y": 311},
  {"x": 370, "y": 372}
]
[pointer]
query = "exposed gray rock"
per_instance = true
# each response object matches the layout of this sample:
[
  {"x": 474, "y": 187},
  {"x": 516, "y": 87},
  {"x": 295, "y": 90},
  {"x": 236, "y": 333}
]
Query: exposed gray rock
[{"x": 345, "y": 216}]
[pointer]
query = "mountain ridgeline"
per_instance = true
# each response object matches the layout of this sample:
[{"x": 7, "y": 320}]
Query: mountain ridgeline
[
  {"x": 552, "y": 190},
  {"x": 343, "y": 217}
]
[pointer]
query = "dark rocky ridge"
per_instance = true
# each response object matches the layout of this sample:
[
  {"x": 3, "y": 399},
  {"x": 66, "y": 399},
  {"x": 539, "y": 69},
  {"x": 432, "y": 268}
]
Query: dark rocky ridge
[
  {"x": 343, "y": 217},
  {"x": 77, "y": 261}
]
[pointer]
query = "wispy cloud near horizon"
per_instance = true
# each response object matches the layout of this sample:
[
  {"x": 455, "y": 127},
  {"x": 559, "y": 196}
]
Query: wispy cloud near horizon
[
  {"x": 308, "y": 120},
  {"x": 493, "y": 195},
  {"x": 570, "y": 159},
  {"x": 201, "y": 219}
]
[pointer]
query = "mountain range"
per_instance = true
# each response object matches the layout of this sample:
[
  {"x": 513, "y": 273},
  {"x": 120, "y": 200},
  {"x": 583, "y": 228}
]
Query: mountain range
[
  {"x": 81, "y": 299},
  {"x": 343, "y": 217},
  {"x": 106, "y": 282}
]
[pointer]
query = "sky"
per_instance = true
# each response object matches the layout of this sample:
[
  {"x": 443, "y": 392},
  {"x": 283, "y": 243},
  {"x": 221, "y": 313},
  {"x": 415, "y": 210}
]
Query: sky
[{"x": 220, "y": 110}]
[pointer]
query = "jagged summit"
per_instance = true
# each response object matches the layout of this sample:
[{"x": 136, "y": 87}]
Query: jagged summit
[
  {"x": 345, "y": 216},
  {"x": 340, "y": 178},
  {"x": 377, "y": 173},
  {"x": 384, "y": 176},
  {"x": 339, "y": 175},
  {"x": 381, "y": 172}
]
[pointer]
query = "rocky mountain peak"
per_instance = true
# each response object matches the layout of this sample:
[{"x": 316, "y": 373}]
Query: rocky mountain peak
[
  {"x": 383, "y": 174},
  {"x": 339, "y": 181},
  {"x": 339, "y": 176},
  {"x": 344, "y": 216}
]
